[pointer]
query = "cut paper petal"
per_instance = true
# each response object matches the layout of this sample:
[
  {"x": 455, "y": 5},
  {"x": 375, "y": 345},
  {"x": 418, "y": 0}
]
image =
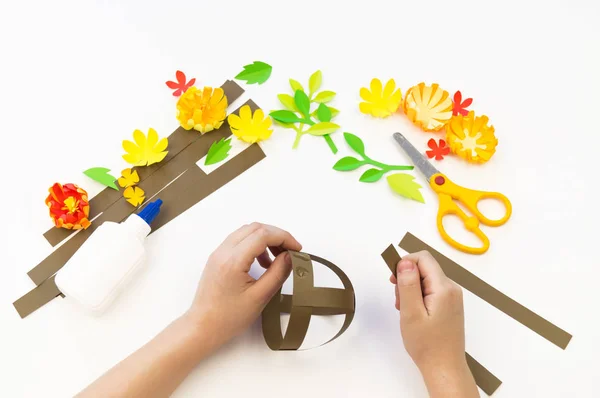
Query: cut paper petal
[
  {"x": 68, "y": 206},
  {"x": 379, "y": 101},
  {"x": 202, "y": 110},
  {"x": 218, "y": 151},
  {"x": 180, "y": 86},
  {"x": 471, "y": 138},
  {"x": 438, "y": 149},
  {"x": 460, "y": 106},
  {"x": 250, "y": 128},
  {"x": 429, "y": 107},
  {"x": 100, "y": 174},
  {"x": 146, "y": 150},
  {"x": 134, "y": 195},
  {"x": 256, "y": 72},
  {"x": 128, "y": 178}
]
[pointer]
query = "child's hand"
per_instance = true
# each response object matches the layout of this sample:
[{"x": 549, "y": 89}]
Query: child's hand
[
  {"x": 432, "y": 325},
  {"x": 228, "y": 300}
]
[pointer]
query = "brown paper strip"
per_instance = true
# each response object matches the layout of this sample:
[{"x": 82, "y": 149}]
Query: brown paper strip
[
  {"x": 484, "y": 291},
  {"x": 305, "y": 302},
  {"x": 42, "y": 293},
  {"x": 178, "y": 141},
  {"x": 483, "y": 377},
  {"x": 190, "y": 188},
  {"x": 121, "y": 209}
]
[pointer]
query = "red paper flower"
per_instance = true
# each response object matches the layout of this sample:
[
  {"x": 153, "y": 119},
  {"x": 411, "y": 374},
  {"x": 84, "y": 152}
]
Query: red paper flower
[
  {"x": 180, "y": 86},
  {"x": 460, "y": 106},
  {"x": 438, "y": 150},
  {"x": 69, "y": 207}
]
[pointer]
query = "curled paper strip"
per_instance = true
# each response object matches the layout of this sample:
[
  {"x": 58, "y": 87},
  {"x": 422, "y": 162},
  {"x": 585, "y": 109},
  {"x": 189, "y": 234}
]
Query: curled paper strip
[{"x": 306, "y": 300}]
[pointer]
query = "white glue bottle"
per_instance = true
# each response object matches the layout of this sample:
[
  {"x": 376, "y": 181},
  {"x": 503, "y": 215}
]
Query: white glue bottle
[{"x": 107, "y": 260}]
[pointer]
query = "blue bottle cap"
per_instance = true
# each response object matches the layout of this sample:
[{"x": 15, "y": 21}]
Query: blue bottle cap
[{"x": 150, "y": 212}]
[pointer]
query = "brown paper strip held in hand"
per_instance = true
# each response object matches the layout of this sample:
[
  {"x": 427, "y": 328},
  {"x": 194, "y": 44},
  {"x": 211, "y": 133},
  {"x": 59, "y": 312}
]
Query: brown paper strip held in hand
[
  {"x": 190, "y": 188},
  {"x": 484, "y": 291},
  {"x": 121, "y": 209},
  {"x": 178, "y": 141},
  {"x": 483, "y": 377},
  {"x": 306, "y": 301}
]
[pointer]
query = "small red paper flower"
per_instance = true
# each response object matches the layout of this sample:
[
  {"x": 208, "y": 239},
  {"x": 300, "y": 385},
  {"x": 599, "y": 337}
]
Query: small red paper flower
[
  {"x": 69, "y": 207},
  {"x": 438, "y": 150},
  {"x": 180, "y": 86},
  {"x": 460, "y": 106}
]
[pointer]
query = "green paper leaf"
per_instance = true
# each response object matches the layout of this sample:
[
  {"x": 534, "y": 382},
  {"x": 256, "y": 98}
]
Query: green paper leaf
[
  {"x": 324, "y": 96},
  {"x": 302, "y": 102},
  {"x": 257, "y": 72},
  {"x": 285, "y": 117},
  {"x": 372, "y": 175},
  {"x": 295, "y": 85},
  {"x": 355, "y": 143},
  {"x": 100, "y": 174},
  {"x": 347, "y": 163},
  {"x": 218, "y": 151},
  {"x": 314, "y": 82},
  {"x": 322, "y": 128},
  {"x": 284, "y": 125},
  {"x": 404, "y": 184},
  {"x": 323, "y": 113},
  {"x": 334, "y": 112},
  {"x": 288, "y": 101}
]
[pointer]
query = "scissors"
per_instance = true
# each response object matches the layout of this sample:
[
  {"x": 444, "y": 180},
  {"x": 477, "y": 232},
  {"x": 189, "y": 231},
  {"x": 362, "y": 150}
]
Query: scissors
[{"x": 448, "y": 192}]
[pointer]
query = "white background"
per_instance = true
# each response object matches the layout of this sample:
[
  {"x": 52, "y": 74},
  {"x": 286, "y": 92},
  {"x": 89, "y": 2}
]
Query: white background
[{"x": 78, "y": 77}]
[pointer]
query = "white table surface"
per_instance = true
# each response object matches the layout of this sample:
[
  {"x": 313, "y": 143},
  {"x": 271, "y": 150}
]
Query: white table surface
[{"x": 78, "y": 77}]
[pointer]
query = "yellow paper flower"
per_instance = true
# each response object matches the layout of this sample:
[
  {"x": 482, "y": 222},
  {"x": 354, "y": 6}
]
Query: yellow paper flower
[
  {"x": 429, "y": 107},
  {"x": 471, "y": 138},
  {"x": 134, "y": 195},
  {"x": 145, "y": 151},
  {"x": 250, "y": 128},
  {"x": 128, "y": 178},
  {"x": 202, "y": 110},
  {"x": 380, "y": 102}
]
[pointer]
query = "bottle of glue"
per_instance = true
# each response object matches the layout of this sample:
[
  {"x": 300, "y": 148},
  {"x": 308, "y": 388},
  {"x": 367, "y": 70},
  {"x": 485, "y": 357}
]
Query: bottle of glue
[{"x": 107, "y": 260}]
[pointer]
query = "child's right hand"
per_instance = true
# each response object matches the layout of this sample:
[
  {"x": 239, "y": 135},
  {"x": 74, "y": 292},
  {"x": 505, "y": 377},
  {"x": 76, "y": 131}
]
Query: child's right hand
[{"x": 432, "y": 325}]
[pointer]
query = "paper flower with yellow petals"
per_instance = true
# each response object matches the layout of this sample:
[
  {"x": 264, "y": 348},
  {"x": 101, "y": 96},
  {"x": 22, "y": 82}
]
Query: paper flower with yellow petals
[
  {"x": 128, "y": 178},
  {"x": 250, "y": 128},
  {"x": 379, "y": 101},
  {"x": 134, "y": 195},
  {"x": 146, "y": 150},
  {"x": 429, "y": 107},
  {"x": 471, "y": 138},
  {"x": 202, "y": 110}
]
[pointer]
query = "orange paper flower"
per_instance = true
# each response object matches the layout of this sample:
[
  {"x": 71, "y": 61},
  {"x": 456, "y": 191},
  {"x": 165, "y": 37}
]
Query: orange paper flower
[
  {"x": 134, "y": 195},
  {"x": 429, "y": 107},
  {"x": 203, "y": 110},
  {"x": 471, "y": 138},
  {"x": 68, "y": 206}
]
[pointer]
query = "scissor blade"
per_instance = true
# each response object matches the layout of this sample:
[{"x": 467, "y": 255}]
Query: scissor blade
[{"x": 417, "y": 158}]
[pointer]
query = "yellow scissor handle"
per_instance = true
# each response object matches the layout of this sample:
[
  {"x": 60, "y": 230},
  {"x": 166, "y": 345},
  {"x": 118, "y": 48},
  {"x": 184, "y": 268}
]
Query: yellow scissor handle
[
  {"x": 448, "y": 192},
  {"x": 448, "y": 207},
  {"x": 470, "y": 198}
]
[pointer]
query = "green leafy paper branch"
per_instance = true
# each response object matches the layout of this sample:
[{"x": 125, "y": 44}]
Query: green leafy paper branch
[
  {"x": 298, "y": 114},
  {"x": 401, "y": 183},
  {"x": 350, "y": 163}
]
